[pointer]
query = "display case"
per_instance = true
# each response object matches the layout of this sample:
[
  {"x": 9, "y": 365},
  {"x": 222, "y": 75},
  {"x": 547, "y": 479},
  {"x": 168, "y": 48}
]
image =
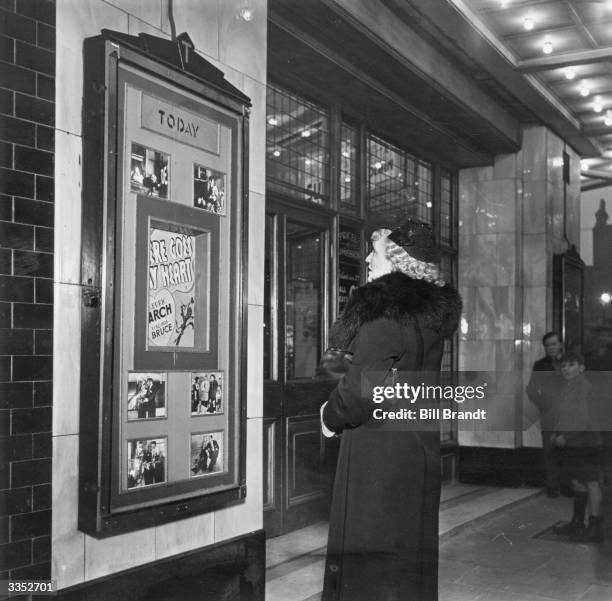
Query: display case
[{"x": 162, "y": 425}]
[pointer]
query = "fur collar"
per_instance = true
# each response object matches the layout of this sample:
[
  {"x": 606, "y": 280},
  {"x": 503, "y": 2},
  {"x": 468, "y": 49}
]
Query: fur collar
[{"x": 399, "y": 297}]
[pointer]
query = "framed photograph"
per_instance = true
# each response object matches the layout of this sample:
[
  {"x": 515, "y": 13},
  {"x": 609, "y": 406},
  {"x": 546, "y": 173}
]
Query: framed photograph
[
  {"x": 208, "y": 190},
  {"x": 149, "y": 171},
  {"x": 206, "y": 454},
  {"x": 207, "y": 392},
  {"x": 146, "y": 396},
  {"x": 146, "y": 462}
]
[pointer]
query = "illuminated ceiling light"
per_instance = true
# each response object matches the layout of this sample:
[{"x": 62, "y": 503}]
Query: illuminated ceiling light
[
  {"x": 503, "y": 3},
  {"x": 584, "y": 165},
  {"x": 378, "y": 165},
  {"x": 308, "y": 162},
  {"x": 346, "y": 154},
  {"x": 276, "y": 153},
  {"x": 528, "y": 23},
  {"x": 570, "y": 73},
  {"x": 429, "y": 204},
  {"x": 547, "y": 46},
  {"x": 347, "y": 180},
  {"x": 605, "y": 298},
  {"x": 557, "y": 162},
  {"x": 306, "y": 133},
  {"x": 608, "y": 119},
  {"x": 272, "y": 120},
  {"x": 597, "y": 105},
  {"x": 584, "y": 90}
]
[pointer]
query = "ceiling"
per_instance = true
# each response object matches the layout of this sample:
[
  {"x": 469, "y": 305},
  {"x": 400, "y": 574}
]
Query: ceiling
[{"x": 578, "y": 36}]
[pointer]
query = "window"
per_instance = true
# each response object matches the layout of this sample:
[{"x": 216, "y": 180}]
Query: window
[{"x": 349, "y": 176}]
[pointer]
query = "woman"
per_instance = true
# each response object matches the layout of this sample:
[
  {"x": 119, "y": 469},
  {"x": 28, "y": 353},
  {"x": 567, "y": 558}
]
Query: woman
[{"x": 383, "y": 538}]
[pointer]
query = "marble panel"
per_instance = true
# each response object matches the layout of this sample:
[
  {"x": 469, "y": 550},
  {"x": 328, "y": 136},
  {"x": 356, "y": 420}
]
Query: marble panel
[
  {"x": 534, "y": 153},
  {"x": 199, "y": 19},
  {"x": 506, "y": 259},
  {"x": 495, "y": 211},
  {"x": 505, "y": 166},
  {"x": 184, "y": 535},
  {"x": 254, "y": 390},
  {"x": 555, "y": 210},
  {"x": 477, "y": 355},
  {"x": 256, "y": 91},
  {"x": 257, "y": 249},
  {"x": 150, "y": 12},
  {"x": 534, "y": 207},
  {"x": 76, "y": 21},
  {"x": 536, "y": 301},
  {"x": 67, "y": 359},
  {"x": 506, "y": 359},
  {"x": 468, "y": 202},
  {"x": 67, "y": 256},
  {"x": 477, "y": 260},
  {"x": 242, "y": 44},
  {"x": 67, "y": 542},
  {"x": 476, "y": 174},
  {"x": 116, "y": 553},
  {"x": 248, "y": 516},
  {"x": 535, "y": 260},
  {"x": 554, "y": 150}
]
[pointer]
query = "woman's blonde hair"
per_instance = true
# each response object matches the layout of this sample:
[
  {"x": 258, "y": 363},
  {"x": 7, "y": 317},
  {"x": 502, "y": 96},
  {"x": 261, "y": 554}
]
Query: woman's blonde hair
[{"x": 402, "y": 261}]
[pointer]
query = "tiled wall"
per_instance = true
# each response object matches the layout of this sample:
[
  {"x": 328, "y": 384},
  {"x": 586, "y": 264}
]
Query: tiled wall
[
  {"x": 27, "y": 113},
  {"x": 238, "y": 48},
  {"x": 511, "y": 224}
]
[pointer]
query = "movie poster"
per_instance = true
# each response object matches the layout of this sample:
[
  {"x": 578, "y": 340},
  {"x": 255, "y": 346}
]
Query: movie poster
[
  {"x": 206, "y": 453},
  {"x": 172, "y": 315}
]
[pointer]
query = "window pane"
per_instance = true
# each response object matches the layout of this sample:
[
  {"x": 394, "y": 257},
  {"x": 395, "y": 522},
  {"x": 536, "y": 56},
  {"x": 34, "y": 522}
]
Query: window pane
[
  {"x": 297, "y": 147},
  {"x": 349, "y": 144},
  {"x": 446, "y": 209}
]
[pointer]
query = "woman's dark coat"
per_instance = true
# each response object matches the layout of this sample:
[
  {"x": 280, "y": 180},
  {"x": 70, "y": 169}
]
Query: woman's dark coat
[{"x": 383, "y": 537}]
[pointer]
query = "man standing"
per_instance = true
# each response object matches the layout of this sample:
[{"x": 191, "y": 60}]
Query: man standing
[{"x": 543, "y": 392}]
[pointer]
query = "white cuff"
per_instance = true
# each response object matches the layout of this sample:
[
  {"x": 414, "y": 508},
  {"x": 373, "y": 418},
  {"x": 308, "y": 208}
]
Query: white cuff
[{"x": 326, "y": 431}]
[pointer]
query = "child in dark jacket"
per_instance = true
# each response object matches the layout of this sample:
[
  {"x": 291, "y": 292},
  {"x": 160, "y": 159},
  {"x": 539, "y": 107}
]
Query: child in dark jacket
[{"x": 578, "y": 445}]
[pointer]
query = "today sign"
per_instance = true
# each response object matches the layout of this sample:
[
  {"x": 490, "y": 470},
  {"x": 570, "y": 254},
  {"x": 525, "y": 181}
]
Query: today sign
[{"x": 179, "y": 124}]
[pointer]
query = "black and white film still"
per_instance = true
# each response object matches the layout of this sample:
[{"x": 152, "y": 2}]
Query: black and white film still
[
  {"x": 206, "y": 453},
  {"x": 209, "y": 190},
  {"x": 146, "y": 460},
  {"x": 207, "y": 389},
  {"x": 146, "y": 395},
  {"x": 149, "y": 171}
]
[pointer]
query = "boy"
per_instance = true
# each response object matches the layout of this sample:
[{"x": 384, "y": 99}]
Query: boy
[{"x": 578, "y": 446}]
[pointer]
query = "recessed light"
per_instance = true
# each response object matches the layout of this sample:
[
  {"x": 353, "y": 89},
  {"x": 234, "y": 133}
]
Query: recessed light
[
  {"x": 306, "y": 133},
  {"x": 584, "y": 165},
  {"x": 570, "y": 73},
  {"x": 608, "y": 119},
  {"x": 597, "y": 105},
  {"x": 547, "y": 46},
  {"x": 528, "y": 23},
  {"x": 584, "y": 89},
  {"x": 272, "y": 120},
  {"x": 276, "y": 153}
]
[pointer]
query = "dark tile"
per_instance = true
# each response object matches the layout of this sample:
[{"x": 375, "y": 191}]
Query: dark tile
[
  {"x": 45, "y": 36},
  {"x": 42, "y": 446},
  {"x": 8, "y": 5},
  {"x": 45, "y": 188},
  {"x": 30, "y": 525},
  {"x": 7, "y": 49},
  {"x": 16, "y": 394},
  {"x": 45, "y": 87},
  {"x": 5, "y": 316},
  {"x": 45, "y": 137},
  {"x": 16, "y": 342},
  {"x": 27, "y": 473},
  {"x": 29, "y": 421},
  {"x": 16, "y": 183},
  {"x": 5, "y": 371},
  {"x": 33, "y": 264},
  {"x": 43, "y": 342},
  {"x": 5, "y": 475},
  {"x": 33, "y": 316},
  {"x": 35, "y": 58},
  {"x": 32, "y": 368},
  {"x": 6, "y": 101},
  {"x": 6, "y": 155},
  {"x": 15, "y": 235},
  {"x": 34, "y": 109},
  {"x": 15, "y": 501},
  {"x": 15, "y": 290},
  {"x": 17, "y": 131},
  {"x": 39, "y": 571},
  {"x": 43, "y": 239},
  {"x": 41, "y": 497},
  {"x": 14, "y": 555},
  {"x": 34, "y": 212},
  {"x": 5, "y": 429},
  {"x": 6, "y": 208},
  {"x": 6, "y": 261},
  {"x": 5, "y": 531},
  {"x": 43, "y": 291},
  {"x": 17, "y": 78},
  {"x": 41, "y": 549},
  {"x": 41, "y": 10},
  {"x": 17, "y": 448},
  {"x": 17, "y": 26},
  {"x": 43, "y": 394},
  {"x": 36, "y": 161}
]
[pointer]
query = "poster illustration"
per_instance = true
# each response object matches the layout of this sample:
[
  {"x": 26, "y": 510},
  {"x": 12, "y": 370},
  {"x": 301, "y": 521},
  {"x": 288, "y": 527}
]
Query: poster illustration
[
  {"x": 171, "y": 306},
  {"x": 206, "y": 392},
  {"x": 146, "y": 462},
  {"x": 149, "y": 171},
  {"x": 146, "y": 395},
  {"x": 206, "y": 453},
  {"x": 208, "y": 190}
]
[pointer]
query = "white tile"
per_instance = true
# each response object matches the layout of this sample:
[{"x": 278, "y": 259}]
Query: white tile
[
  {"x": 67, "y": 359},
  {"x": 109, "y": 555},
  {"x": 257, "y": 247},
  {"x": 256, "y": 91},
  {"x": 67, "y": 542},
  {"x": 150, "y": 11},
  {"x": 184, "y": 535},
  {"x": 67, "y": 208},
  {"x": 254, "y": 389},
  {"x": 247, "y": 516},
  {"x": 137, "y": 26}
]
